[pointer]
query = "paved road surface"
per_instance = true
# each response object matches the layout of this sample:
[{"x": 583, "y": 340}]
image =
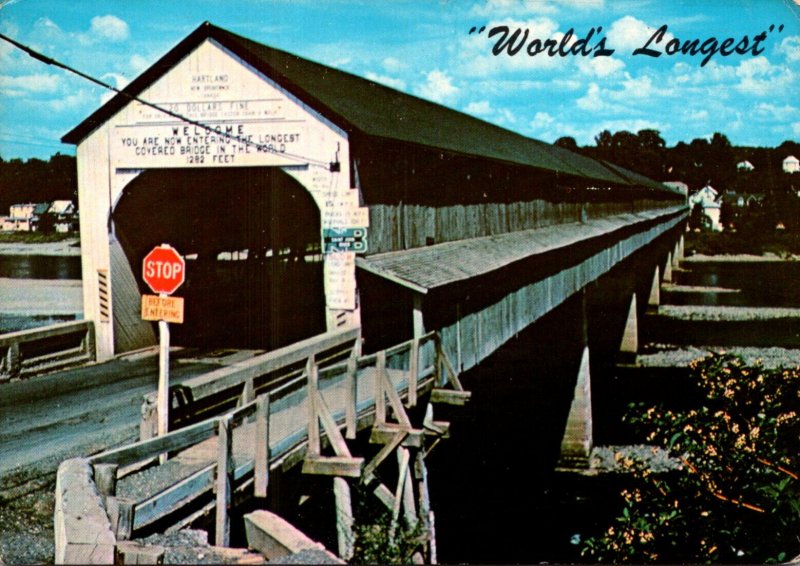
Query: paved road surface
[{"x": 44, "y": 420}]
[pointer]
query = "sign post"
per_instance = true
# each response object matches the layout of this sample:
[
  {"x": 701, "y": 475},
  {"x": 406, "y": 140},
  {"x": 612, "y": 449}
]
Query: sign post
[{"x": 164, "y": 270}]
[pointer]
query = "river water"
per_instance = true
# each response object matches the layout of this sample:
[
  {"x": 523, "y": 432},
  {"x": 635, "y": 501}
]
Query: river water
[{"x": 38, "y": 290}]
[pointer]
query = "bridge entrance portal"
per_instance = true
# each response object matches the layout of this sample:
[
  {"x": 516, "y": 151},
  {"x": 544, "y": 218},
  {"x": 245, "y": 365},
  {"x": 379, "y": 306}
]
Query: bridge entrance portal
[{"x": 251, "y": 238}]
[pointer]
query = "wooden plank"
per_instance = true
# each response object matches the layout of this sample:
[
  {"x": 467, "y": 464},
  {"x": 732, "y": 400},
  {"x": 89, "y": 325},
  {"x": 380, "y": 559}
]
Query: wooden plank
[
  {"x": 413, "y": 372},
  {"x": 380, "y": 396},
  {"x": 394, "y": 399},
  {"x": 162, "y": 504},
  {"x": 233, "y": 376},
  {"x": 334, "y": 466},
  {"x": 384, "y": 433},
  {"x": 351, "y": 412},
  {"x": 450, "y": 397},
  {"x": 312, "y": 398},
  {"x": 331, "y": 428},
  {"x": 172, "y": 441},
  {"x": 262, "y": 446},
  {"x": 224, "y": 482},
  {"x": 402, "y": 459},
  {"x": 382, "y": 454},
  {"x": 344, "y": 518}
]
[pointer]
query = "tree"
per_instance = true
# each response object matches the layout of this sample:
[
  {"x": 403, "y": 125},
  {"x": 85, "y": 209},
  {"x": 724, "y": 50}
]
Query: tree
[{"x": 567, "y": 142}]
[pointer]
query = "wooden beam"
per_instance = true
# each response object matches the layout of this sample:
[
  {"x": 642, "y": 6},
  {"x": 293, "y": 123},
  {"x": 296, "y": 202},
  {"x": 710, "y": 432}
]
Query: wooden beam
[
  {"x": 384, "y": 433},
  {"x": 262, "y": 454},
  {"x": 313, "y": 419},
  {"x": 344, "y": 518},
  {"x": 224, "y": 481},
  {"x": 380, "y": 396},
  {"x": 402, "y": 462},
  {"x": 351, "y": 386},
  {"x": 331, "y": 428},
  {"x": 383, "y": 453},
  {"x": 450, "y": 397},
  {"x": 333, "y": 466},
  {"x": 413, "y": 372}
]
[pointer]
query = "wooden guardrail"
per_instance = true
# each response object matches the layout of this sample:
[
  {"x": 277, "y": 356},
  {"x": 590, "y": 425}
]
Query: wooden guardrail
[
  {"x": 348, "y": 388},
  {"x": 218, "y": 391},
  {"x": 40, "y": 350}
]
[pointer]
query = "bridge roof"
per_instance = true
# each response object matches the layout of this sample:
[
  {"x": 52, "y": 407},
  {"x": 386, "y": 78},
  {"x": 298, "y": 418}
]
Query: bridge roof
[
  {"x": 424, "y": 269},
  {"x": 360, "y": 105}
]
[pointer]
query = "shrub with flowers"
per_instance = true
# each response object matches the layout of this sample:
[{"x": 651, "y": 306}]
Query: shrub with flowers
[{"x": 735, "y": 496}]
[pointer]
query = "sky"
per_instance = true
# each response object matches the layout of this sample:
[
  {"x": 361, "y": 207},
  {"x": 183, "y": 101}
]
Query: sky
[{"x": 444, "y": 51}]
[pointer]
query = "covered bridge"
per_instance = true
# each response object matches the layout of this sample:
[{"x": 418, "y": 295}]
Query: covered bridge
[{"x": 307, "y": 199}]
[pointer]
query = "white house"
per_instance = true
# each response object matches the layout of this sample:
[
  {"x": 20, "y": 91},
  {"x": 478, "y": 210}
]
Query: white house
[
  {"x": 745, "y": 166},
  {"x": 791, "y": 164},
  {"x": 711, "y": 204}
]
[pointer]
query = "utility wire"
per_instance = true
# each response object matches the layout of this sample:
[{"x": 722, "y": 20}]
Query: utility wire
[{"x": 50, "y": 61}]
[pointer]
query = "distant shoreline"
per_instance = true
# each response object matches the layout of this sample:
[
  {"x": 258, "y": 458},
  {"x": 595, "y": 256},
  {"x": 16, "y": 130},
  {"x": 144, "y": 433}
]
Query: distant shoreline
[{"x": 69, "y": 247}]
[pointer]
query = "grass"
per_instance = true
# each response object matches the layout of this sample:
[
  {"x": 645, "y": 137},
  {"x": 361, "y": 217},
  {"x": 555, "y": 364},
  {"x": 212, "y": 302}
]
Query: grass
[
  {"x": 35, "y": 237},
  {"x": 782, "y": 243}
]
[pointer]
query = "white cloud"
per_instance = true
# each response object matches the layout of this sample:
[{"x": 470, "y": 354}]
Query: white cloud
[
  {"x": 600, "y": 66},
  {"x": 759, "y": 77},
  {"x": 542, "y": 120},
  {"x": 138, "y": 64},
  {"x": 790, "y": 46},
  {"x": 399, "y": 84},
  {"x": 438, "y": 87},
  {"x": 480, "y": 108},
  {"x": 592, "y": 100},
  {"x": 120, "y": 81},
  {"x": 525, "y": 7},
  {"x": 394, "y": 65},
  {"x": 499, "y": 8},
  {"x": 79, "y": 100},
  {"x": 109, "y": 28},
  {"x": 698, "y": 115},
  {"x": 629, "y": 33},
  {"x": 796, "y": 128},
  {"x": 774, "y": 112},
  {"x": 475, "y": 50},
  {"x": 16, "y": 86}
]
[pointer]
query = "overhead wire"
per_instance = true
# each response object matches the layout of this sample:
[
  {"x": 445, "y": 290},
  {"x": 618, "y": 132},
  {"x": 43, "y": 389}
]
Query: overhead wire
[{"x": 262, "y": 147}]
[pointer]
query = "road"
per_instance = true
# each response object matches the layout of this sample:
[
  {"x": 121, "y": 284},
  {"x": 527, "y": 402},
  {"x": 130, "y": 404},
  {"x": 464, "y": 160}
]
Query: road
[{"x": 44, "y": 420}]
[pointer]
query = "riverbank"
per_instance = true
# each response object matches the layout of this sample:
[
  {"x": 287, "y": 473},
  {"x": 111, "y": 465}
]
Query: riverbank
[{"x": 66, "y": 247}]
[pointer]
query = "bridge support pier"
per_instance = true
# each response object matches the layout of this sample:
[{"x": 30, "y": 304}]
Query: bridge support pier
[{"x": 576, "y": 446}]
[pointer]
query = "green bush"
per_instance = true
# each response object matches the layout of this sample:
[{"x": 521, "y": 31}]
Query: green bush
[{"x": 736, "y": 496}]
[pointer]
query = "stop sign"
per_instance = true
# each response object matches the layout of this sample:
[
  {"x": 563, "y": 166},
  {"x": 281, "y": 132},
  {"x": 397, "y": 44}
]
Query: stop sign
[{"x": 164, "y": 269}]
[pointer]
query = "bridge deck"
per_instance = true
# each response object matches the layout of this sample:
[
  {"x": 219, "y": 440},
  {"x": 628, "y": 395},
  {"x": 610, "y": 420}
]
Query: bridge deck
[{"x": 158, "y": 490}]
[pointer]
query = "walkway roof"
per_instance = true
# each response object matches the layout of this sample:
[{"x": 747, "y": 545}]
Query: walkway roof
[
  {"x": 427, "y": 268},
  {"x": 358, "y": 105}
]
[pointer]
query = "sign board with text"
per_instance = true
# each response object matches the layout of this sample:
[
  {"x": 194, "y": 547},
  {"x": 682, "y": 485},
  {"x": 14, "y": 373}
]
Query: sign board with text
[
  {"x": 163, "y": 269},
  {"x": 344, "y": 240},
  {"x": 168, "y": 309}
]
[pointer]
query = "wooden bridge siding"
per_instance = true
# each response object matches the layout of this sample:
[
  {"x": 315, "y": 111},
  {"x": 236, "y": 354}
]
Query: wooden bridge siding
[
  {"x": 404, "y": 226},
  {"x": 476, "y": 335}
]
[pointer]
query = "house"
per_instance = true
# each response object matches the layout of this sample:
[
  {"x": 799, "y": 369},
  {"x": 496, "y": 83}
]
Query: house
[
  {"x": 710, "y": 203},
  {"x": 21, "y": 217},
  {"x": 744, "y": 166},
  {"x": 791, "y": 164},
  {"x": 27, "y": 217}
]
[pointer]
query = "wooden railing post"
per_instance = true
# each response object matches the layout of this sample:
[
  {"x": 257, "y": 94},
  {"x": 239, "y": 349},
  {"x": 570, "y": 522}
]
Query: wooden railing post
[
  {"x": 224, "y": 480},
  {"x": 314, "y": 448},
  {"x": 344, "y": 518},
  {"x": 413, "y": 372},
  {"x": 380, "y": 395},
  {"x": 262, "y": 446},
  {"x": 351, "y": 404}
]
